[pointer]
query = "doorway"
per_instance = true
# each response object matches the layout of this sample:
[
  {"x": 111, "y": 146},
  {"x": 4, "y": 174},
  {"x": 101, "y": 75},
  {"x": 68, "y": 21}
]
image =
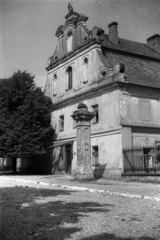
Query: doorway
[{"x": 68, "y": 153}]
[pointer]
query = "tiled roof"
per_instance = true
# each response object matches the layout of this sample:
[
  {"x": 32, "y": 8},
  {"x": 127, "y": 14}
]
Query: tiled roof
[
  {"x": 138, "y": 71},
  {"x": 131, "y": 47}
]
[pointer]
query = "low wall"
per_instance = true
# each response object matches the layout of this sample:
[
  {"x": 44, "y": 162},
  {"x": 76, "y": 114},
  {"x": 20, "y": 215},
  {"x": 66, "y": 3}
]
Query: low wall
[
  {"x": 5, "y": 164},
  {"x": 142, "y": 177}
]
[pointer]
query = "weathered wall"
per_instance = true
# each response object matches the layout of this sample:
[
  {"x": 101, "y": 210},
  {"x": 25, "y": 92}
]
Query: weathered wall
[
  {"x": 140, "y": 111},
  {"x": 83, "y": 74},
  {"x": 140, "y": 107},
  {"x": 110, "y": 154},
  {"x": 127, "y": 137},
  {"x": 108, "y": 104},
  {"x": 145, "y": 137},
  {"x": 106, "y": 133}
]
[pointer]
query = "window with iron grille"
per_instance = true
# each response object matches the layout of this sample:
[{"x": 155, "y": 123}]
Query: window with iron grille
[
  {"x": 61, "y": 123},
  {"x": 96, "y": 117},
  {"x": 95, "y": 156}
]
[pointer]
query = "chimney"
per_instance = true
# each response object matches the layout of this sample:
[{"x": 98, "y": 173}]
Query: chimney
[
  {"x": 113, "y": 32},
  {"x": 154, "y": 42}
]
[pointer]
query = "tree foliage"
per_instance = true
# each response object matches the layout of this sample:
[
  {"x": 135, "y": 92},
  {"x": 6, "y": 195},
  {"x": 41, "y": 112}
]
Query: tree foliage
[{"x": 25, "y": 117}]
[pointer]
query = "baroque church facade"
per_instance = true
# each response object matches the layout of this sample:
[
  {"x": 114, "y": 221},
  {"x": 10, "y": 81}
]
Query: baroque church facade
[{"x": 116, "y": 79}]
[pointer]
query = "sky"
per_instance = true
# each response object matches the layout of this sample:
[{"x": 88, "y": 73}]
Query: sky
[{"x": 28, "y": 27}]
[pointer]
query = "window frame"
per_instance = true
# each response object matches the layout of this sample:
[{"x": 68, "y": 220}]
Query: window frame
[
  {"x": 85, "y": 60},
  {"x": 55, "y": 76},
  {"x": 69, "y": 72},
  {"x": 95, "y": 109},
  {"x": 61, "y": 123},
  {"x": 54, "y": 84},
  {"x": 95, "y": 155},
  {"x": 74, "y": 121}
]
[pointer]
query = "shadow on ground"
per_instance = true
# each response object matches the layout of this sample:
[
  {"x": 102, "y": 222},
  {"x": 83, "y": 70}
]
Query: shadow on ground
[
  {"x": 10, "y": 173},
  {"x": 31, "y": 214},
  {"x": 28, "y": 213},
  {"x": 108, "y": 236}
]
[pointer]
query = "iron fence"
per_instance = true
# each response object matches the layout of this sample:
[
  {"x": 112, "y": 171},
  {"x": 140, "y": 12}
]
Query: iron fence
[{"x": 142, "y": 160}]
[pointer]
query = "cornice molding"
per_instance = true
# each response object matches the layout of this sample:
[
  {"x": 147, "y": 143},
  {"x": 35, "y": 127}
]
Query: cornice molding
[
  {"x": 87, "y": 93},
  {"x": 109, "y": 85}
]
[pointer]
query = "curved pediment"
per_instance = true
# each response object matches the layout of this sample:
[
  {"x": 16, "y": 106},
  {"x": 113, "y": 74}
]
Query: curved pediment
[
  {"x": 72, "y": 34},
  {"x": 71, "y": 19}
]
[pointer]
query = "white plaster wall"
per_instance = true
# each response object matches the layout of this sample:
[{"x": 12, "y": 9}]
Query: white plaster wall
[
  {"x": 109, "y": 119},
  {"x": 110, "y": 150},
  {"x": 145, "y": 139},
  {"x": 133, "y": 112},
  {"x": 69, "y": 131},
  {"x": 155, "y": 110}
]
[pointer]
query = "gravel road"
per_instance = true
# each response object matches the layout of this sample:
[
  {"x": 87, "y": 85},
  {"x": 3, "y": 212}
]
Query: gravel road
[{"x": 48, "y": 213}]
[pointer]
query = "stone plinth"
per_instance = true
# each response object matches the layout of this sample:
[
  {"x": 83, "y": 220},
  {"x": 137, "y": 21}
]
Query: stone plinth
[{"x": 83, "y": 117}]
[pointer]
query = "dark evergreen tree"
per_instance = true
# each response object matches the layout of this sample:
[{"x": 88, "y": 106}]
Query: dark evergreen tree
[{"x": 25, "y": 118}]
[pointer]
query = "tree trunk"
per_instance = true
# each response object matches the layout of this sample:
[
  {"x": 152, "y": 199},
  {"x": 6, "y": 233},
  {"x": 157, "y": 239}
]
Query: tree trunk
[{"x": 14, "y": 164}]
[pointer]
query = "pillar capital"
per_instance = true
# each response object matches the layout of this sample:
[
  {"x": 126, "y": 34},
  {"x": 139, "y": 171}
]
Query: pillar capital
[{"x": 82, "y": 115}]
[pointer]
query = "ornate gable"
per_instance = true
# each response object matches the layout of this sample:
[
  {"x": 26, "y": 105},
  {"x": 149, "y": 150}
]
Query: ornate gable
[
  {"x": 71, "y": 35},
  {"x": 71, "y": 18}
]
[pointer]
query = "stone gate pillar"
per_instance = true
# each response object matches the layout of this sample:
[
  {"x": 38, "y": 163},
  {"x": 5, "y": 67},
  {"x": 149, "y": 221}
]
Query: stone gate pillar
[{"x": 83, "y": 117}]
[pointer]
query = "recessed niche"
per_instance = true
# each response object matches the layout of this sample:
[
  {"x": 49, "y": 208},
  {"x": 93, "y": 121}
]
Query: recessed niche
[
  {"x": 85, "y": 60},
  {"x": 103, "y": 73}
]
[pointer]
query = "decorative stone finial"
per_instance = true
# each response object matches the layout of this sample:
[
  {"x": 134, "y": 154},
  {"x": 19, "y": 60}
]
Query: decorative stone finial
[
  {"x": 70, "y": 8},
  {"x": 82, "y": 105}
]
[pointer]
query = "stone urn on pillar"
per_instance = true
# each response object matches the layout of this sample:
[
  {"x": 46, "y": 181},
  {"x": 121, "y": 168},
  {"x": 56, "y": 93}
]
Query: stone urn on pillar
[{"x": 83, "y": 117}]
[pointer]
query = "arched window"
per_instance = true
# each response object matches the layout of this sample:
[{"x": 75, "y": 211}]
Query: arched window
[
  {"x": 55, "y": 76},
  {"x": 69, "y": 41},
  {"x": 85, "y": 60},
  {"x": 69, "y": 73},
  {"x": 54, "y": 84},
  {"x": 85, "y": 70}
]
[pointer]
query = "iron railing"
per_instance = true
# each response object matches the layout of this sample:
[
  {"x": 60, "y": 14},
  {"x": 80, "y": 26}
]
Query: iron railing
[{"x": 142, "y": 160}]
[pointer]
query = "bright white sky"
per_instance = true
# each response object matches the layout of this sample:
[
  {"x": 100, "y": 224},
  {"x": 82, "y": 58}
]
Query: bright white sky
[{"x": 28, "y": 28}]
